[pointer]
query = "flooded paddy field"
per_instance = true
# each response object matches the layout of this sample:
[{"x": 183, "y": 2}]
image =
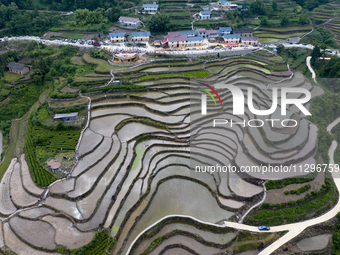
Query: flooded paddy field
[{"x": 137, "y": 165}]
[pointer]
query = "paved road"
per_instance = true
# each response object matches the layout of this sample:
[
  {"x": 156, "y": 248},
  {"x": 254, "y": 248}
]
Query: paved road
[
  {"x": 296, "y": 228},
  {"x": 310, "y": 67}
]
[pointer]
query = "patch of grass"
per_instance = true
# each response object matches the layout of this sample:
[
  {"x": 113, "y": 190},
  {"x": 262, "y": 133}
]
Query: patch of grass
[
  {"x": 102, "y": 65},
  {"x": 77, "y": 61},
  {"x": 11, "y": 77},
  {"x": 87, "y": 78},
  {"x": 67, "y": 26},
  {"x": 72, "y": 35},
  {"x": 5, "y": 92},
  {"x": 187, "y": 74}
]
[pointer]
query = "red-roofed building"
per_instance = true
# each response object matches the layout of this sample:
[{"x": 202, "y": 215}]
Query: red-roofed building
[{"x": 130, "y": 22}]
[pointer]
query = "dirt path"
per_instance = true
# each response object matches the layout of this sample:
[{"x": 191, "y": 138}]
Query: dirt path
[{"x": 1, "y": 137}]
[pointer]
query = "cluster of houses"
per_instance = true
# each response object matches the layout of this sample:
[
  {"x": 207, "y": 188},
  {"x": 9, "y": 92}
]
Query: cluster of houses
[
  {"x": 134, "y": 37},
  {"x": 191, "y": 38}
]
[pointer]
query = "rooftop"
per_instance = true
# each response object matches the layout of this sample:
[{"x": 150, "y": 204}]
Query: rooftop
[
  {"x": 15, "y": 66},
  {"x": 195, "y": 38},
  {"x": 201, "y": 30},
  {"x": 250, "y": 38},
  {"x": 225, "y": 29},
  {"x": 211, "y": 31},
  {"x": 147, "y": 33},
  {"x": 150, "y": 5},
  {"x": 243, "y": 30},
  {"x": 66, "y": 115},
  {"x": 181, "y": 38},
  {"x": 223, "y": 2},
  {"x": 205, "y": 12},
  {"x": 232, "y": 36},
  {"x": 128, "y": 19},
  {"x": 116, "y": 34},
  {"x": 53, "y": 164},
  {"x": 190, "y": 32},
  {"x": 174, "y": 33}
]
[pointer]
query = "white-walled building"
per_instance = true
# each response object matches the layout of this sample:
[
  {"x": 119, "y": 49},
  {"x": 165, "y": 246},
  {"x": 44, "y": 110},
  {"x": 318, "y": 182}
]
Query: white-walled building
[
  {"x": 204, "y": 15},
  {"x": 195, "y": 41},
  {"x": 250, "y": 40},
  {"x": 233, "y": 38},
  {"x": 130, "y": 22},
  {"x": 116, "y": 37},
  {"x": 177, "y": 41},
  {"x": 151, "y": 8},
  {"x": 140, "y": 36}
]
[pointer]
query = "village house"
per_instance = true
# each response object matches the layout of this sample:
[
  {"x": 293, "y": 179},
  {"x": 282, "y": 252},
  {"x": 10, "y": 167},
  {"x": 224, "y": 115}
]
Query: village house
[
  {"x": 116, "y": 37},
  {"x": 189, "y": 33},
  {"x": 177, "y": 41},
  {"x": 204, "y": 15},
  {"x": 151, "y": 8},
  {"x": 140, "y": 36},
  {"x": 172, "y": 34},
  {"x": 156, "y": 40},
  {"x": 216, "y": 38},
  {"x": 201, "y": 32},
  {"x": 244, "y": 32},
  {"x": 130, "y": 22},
  {"x": 250, "y": 40},
  {"x": 195, "y": 41},
  {"x": 225, "y": 5},
  {"x": 18, "y": 68},
  {"x": 225, "y": 30},
  {"x": 211, "y": 32},
  {"x": 232, "y": 38},
  {"x": 66, "y": 116}
]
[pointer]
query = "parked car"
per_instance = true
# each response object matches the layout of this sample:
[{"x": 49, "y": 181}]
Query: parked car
[{"x": 264, "y": 228}]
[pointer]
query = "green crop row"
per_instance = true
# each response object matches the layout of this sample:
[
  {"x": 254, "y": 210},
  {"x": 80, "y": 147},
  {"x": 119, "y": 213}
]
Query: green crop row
[
  {"x": 101, "y": 244},
  {"x": 299, "y": 190},
  {"x": 276, "y": 216},
  {"x": 39, "y": 175},
  {"x": 56, "y": 139},
  {"x": 277, "y": 184}
]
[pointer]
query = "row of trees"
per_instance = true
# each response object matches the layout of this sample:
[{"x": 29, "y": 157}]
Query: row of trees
[
  {"x": 85, "y": 17},
  {"x": 16, "y": 22},
  {"x": 69, "y": 5}
]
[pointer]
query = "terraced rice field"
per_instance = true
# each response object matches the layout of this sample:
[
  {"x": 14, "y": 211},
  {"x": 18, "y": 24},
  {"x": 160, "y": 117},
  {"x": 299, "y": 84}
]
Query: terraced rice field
[
  {"x": 137, "y": 163},
  {"x": 269, "y": 35},
  {"x": 329, "y": 14}
]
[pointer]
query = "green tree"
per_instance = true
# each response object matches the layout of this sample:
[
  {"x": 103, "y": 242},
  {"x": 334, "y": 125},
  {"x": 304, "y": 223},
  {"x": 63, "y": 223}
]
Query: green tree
[
  {"x": 284, "y": 21},
  {"x": 311, "y": 4},
  {"x": 280, "y": 49},
  {"x": 303, "y": 19},
  {"x": 160, "y": 23},
  {"x": 274, "y": 5},
  {"x": 264, "y": 21},
  {"x": 257, "y": 7}
]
